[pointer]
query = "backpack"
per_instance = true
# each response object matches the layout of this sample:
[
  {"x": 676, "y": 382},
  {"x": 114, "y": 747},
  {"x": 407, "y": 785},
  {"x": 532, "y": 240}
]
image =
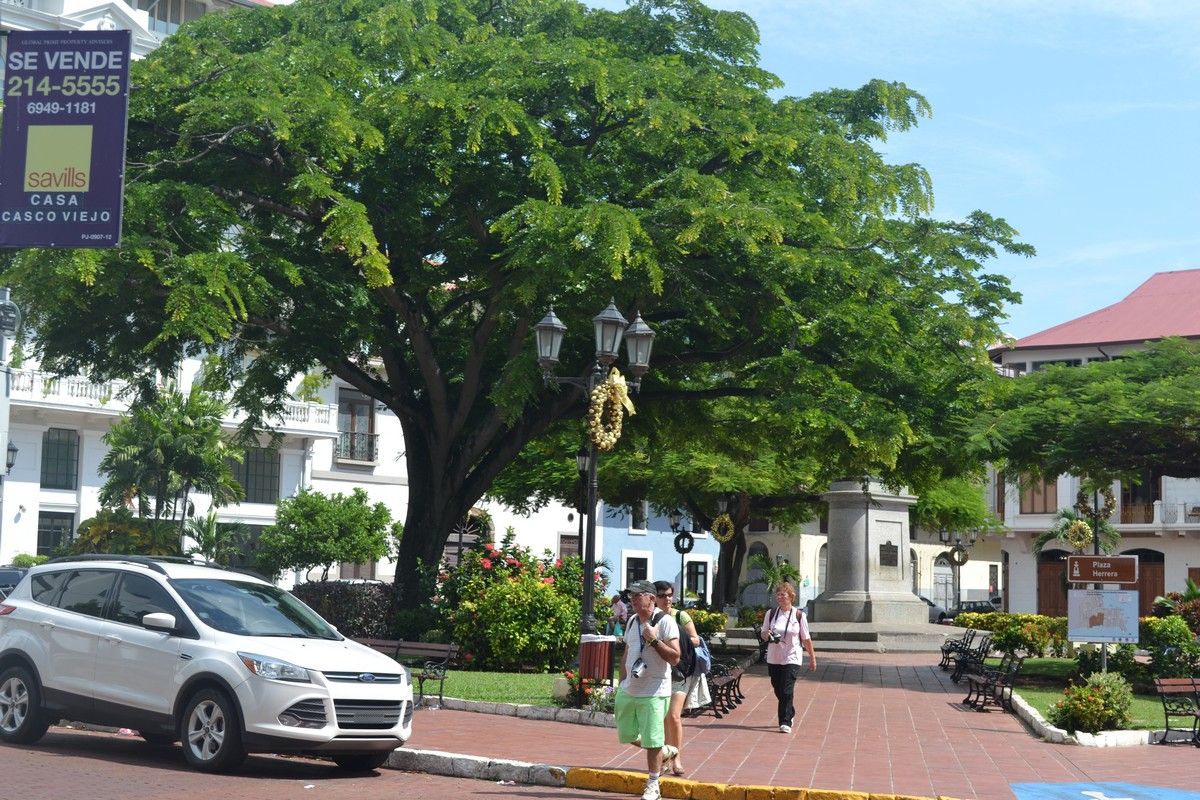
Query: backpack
[
  {"x": 703, "y": 658},
  {"x": 686, "y": 667}
]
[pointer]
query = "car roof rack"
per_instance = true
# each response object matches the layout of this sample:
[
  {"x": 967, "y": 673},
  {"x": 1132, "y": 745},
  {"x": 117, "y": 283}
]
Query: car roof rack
[{"x": 144, "y": 561}]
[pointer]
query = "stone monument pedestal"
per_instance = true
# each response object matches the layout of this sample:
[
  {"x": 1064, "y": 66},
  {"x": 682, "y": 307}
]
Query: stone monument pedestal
[{"x": 868, "y": 569}]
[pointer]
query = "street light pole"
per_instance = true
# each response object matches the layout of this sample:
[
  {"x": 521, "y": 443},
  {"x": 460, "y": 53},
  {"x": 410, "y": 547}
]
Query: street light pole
[{"x": 610, "y": 327}]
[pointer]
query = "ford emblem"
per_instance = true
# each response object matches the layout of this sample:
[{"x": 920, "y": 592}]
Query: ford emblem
[{"x": 367, "y": 677}]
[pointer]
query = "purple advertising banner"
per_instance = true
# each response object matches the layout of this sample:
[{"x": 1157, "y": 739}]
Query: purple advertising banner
[{"x": 62, "y": 151}]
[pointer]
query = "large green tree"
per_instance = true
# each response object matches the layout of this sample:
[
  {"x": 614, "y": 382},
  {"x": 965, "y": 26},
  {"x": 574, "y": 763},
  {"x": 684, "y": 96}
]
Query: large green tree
[
  {"x": 1107, "y": 420},
  {"x": 396, "y": 190}
]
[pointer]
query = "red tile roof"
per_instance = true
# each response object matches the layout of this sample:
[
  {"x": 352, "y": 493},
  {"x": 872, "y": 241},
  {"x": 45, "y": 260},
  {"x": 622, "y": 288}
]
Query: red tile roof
[{"x": 1167, "y": 304}]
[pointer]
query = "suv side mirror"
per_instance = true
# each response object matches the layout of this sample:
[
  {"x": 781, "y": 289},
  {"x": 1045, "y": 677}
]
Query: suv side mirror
[{"x": 159, "y": 621}]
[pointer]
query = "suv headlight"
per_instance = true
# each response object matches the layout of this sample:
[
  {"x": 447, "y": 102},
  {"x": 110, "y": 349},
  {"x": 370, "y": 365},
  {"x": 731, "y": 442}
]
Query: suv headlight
[{"x": 273, "y": 668}]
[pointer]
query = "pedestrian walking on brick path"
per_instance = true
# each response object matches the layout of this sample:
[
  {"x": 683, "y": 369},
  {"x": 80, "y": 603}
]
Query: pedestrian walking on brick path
[
  {"x": 785, "y": 628},
  {"x": 644, "y": 695},
  {"x": 680, "y": 689}
]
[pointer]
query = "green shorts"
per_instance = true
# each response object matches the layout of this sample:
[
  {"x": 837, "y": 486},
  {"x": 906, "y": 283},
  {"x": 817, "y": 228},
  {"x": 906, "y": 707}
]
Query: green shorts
[{"x": 641, "y": 717}]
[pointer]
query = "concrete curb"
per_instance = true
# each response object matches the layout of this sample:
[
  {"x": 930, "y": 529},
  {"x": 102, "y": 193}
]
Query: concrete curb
[
  {"x": 1034, "y": 719},
  {"x": 455, "y": 765},
  {"x": 575, "y": 716}
]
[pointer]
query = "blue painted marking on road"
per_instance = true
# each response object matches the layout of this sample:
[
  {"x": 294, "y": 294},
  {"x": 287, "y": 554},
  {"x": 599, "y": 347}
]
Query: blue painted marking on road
[{"x": 1098, "y": 791}]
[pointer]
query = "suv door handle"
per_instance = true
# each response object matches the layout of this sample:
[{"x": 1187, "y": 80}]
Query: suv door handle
[
  {"x": 48, "y": 625},
  {"x": 112, "y": 638}
]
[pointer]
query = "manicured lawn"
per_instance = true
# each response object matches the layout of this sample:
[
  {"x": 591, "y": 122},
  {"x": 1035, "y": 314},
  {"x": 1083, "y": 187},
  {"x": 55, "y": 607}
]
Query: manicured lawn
[
  {"x": 500, "y": 687},
  {"x": 1147, "y": 710}
]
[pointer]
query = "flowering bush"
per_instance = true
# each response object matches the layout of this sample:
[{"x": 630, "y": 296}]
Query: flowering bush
[
  {"x": 508, "y": 610},
  {"x": 1100, "y": 704},
  {"x": 750, "y": 616},
  {"x": 589, "y": 693},
  {"x": 707, "y": 622}
]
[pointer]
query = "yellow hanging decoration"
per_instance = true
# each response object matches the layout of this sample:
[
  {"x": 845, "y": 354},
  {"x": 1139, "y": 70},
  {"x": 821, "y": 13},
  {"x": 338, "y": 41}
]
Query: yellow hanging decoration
[
  {"x": 1078, "y": 535},
  {"x": 722, "y": 528},
  {"x": 608, "y": 403}
]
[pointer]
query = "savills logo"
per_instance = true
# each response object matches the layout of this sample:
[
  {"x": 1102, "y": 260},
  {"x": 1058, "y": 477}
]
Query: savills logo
[
  {"x": 58, "y": 158},
  {"x": 70, "y": 179}
]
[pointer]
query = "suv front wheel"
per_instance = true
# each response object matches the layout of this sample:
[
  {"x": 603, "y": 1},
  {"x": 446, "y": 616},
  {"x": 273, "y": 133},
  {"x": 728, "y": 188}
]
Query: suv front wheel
[
  {"x": 211, "y": 734},
  {"x": 22, "y": 720}
]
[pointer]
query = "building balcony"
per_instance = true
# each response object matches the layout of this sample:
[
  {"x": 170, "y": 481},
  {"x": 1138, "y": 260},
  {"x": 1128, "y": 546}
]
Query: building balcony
[
  {"x": 36, "y": 389},
  {"x": 357, "y": 448},
  {"x": 1154, "y": 518}
]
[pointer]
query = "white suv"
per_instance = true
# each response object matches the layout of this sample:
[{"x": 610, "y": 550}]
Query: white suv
[{"x": 222, "y": 661}]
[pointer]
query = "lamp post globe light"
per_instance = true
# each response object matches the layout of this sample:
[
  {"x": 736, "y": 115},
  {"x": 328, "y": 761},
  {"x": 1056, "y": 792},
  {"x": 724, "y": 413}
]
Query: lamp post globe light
[
  {"x": 609, "y": 327},
  {"x": 958, "y": 555}
]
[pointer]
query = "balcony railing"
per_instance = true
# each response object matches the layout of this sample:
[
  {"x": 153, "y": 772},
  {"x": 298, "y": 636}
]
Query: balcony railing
[
  {"x": 34, "y": 385},
  {"x": 1137, "y": 514},
  {"x": 358, "y": 447}
]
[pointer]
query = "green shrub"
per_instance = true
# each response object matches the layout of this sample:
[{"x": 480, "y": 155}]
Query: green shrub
[
  {"x": 357, "y": 610},
  {"x": 1032, "y": 634},
  {"x": 1121, "y": 661},
  {"x": 750, "y": 616},
  {"x": 707, "y": 622},
  {"x": 1173, "y": 650},
  {"x": 508, "y": 610},
  {"x": 1190, "y": 611},
  {"x": 28, "y": 560},
  {"x": 1100, "y": 704}
]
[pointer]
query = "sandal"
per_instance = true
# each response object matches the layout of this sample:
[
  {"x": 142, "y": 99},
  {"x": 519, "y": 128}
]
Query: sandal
[{"x": 677, "y": 771}]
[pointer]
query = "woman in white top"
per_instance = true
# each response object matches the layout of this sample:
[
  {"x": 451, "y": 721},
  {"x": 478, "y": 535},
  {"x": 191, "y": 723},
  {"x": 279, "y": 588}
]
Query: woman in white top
[{"x": 786, "y": 628}]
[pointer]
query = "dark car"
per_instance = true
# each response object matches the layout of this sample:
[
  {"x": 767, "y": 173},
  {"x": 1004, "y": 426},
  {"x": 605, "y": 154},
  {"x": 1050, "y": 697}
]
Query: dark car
[
  {"x": 973, "y": 607},
  {"x": 9, "y": 578}
]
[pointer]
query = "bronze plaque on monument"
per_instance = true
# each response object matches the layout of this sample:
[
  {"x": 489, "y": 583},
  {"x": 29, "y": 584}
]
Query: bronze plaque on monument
[{"x": 889, "y": 555}]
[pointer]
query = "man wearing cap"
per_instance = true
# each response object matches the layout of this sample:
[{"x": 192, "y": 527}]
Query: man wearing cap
[{"x": 644, "y": 695}]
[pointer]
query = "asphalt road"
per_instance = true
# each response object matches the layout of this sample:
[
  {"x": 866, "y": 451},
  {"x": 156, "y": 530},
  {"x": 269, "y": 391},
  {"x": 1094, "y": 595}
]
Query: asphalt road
[{"x": 86, "y": 765}]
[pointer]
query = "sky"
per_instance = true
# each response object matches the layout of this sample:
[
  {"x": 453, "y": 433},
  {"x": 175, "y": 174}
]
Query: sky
[{"x": 1076, "y": 122}]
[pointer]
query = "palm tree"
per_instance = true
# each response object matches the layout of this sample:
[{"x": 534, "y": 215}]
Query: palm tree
[
  {"x": 1062, "y": 533},
  {"x": 218, "y": 542},
  {"x": 166, "y": 449},
  {"x": 773, "y": 574}
]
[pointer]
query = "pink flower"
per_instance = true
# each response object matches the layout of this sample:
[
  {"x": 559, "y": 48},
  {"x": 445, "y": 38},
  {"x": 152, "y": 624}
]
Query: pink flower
[
  {"x": 512, "y": 562},
  {"x": 487, "y": 563},
  {"x": 558, "y": 563},
  {"x": 541, "y": 567},
  {"x": 549, "y": 582}
]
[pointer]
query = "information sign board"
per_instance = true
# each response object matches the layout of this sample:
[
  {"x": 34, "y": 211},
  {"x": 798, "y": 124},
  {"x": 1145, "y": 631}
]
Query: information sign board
[
  {"x": 62, "y": 155},
  {"x": 1102, "y": 569},
  {"x": 1102, "y": 615}
]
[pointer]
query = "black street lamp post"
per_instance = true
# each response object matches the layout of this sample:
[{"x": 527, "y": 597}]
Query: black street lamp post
[
  {"x": 610, "y": 327},
  {"x": 684, "y": 542},
  {"x": 958, "y": 555}
]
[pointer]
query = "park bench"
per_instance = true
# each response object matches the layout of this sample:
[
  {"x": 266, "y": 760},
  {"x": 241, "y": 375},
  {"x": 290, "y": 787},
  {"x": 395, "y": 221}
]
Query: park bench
[
  {"x": 993, "y": 684},
  {"x": 952, "y": 646},
  {"x": 1181, "y": 700},
  {"x": 427, "y": 661},
  {"x": 970, "y": 659},
  {"x": 725, "y": 688}
]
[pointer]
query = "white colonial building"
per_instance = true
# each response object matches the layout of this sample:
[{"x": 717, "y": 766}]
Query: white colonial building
[{"x": 1158, "y": 519}]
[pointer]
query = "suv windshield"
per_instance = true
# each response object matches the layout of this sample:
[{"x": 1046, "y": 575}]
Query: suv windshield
[{"x": 251, "y": 609}]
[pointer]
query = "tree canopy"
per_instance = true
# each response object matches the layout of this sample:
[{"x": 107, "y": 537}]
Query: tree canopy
[
  {"x": 395, "y": 190},
  {"x": 1107, "y": 420},
  {"x": 315, "y": 530}
]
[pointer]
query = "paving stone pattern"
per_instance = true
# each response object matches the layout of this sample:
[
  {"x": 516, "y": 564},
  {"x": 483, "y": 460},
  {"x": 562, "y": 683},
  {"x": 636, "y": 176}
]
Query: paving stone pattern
[{"x": 887, "y": 723}]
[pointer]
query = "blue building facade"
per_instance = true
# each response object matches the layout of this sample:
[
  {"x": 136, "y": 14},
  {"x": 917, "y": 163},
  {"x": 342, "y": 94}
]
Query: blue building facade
[{"x": 637, "y": 545}]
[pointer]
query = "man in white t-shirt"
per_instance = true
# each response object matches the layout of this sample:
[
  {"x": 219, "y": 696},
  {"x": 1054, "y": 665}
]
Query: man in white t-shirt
[{"x": 644, "y": 695}]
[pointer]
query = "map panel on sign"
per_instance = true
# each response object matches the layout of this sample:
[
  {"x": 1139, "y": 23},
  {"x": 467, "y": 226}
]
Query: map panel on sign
[{"x": 1102, "y": 615}]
